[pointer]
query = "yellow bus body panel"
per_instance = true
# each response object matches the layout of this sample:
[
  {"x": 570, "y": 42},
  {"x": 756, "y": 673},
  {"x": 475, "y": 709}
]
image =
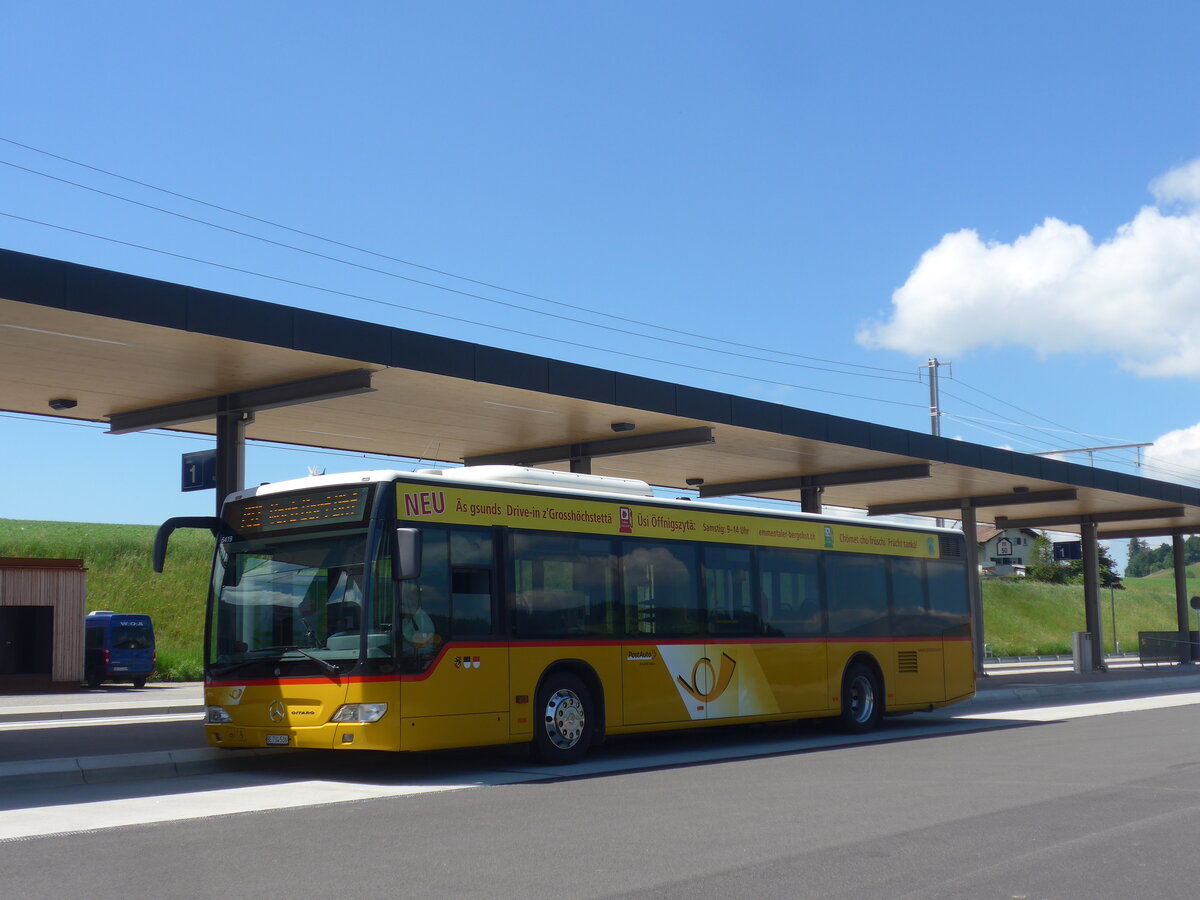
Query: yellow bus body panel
[
  {"x": 960, "y": 671},
  {"x": 481, "y": 694},
  {"x": 462, "y": 700}
]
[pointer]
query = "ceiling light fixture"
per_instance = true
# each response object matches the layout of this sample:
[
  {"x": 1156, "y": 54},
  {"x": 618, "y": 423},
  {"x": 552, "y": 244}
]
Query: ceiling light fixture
[
  {"x": 547, "y": 412},
  {"x": 78, "y": 337},
  {"x": 357, "y": 437}
]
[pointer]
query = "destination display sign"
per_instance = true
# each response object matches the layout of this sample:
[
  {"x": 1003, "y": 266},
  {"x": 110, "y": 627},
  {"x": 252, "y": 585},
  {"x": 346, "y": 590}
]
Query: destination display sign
[
  {"x": 310, "y": 509},
  {"x": 464, "y": 506}
]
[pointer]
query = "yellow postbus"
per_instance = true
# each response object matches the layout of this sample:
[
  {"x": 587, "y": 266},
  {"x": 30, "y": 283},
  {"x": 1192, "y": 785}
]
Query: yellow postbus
[{"x": 499, "y": 604}]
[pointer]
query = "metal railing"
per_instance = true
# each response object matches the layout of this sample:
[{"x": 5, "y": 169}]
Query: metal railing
[{"x": 1158, "y": 648}]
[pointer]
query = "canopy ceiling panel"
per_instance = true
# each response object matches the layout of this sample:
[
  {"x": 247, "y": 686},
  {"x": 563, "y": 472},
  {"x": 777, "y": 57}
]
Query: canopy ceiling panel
[{"x": 117, "y": 344}]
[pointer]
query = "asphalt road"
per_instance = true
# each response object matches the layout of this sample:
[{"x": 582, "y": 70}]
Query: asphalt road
[
  {"x": 83, "y": 737},
  {"x": 1035, "y": 805}
]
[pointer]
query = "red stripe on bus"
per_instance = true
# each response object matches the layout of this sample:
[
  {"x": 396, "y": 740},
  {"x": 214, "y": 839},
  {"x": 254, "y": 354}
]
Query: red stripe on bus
[{"x": 510, "y": 645}]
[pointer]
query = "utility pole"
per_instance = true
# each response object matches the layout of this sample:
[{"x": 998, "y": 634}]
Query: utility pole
[{"x": 935, "y": 409}]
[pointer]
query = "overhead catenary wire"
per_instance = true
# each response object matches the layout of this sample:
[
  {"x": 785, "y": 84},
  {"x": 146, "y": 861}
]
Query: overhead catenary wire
[
  {"x": 866, "y": 371},
  {"x": 893, "y": 373},
  {"x": 460, "y": 319},
  {"x": 1141, "y": 461}
]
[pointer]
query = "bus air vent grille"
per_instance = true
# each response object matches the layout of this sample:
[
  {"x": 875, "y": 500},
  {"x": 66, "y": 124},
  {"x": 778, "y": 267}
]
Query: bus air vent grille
[
  {"x": 951, "y": 546},
  {"x": 907, "y": 661}
]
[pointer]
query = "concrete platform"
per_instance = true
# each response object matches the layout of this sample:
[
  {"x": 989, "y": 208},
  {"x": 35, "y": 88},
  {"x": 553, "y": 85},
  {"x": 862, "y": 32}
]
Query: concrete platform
[
  {"x": 1004, "y": 684},
  {"x": 154, "y": 698}
]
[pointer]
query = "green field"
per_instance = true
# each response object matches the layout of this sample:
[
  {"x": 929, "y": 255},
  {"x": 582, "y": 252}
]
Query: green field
[
  {"x": 119, "y": 577},
  {"x": 1021, "y": 618}
]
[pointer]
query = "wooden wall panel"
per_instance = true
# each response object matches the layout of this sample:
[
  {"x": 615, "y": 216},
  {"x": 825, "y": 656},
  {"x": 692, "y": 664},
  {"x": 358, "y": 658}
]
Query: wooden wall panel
[{"x": 62, "y": 587}]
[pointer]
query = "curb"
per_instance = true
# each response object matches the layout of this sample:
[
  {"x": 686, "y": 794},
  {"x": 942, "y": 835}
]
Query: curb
[
  {"x": 83, "y": 770},
  {"x": 1132, "y": 688},
  {"x": 30, "y": 714}
]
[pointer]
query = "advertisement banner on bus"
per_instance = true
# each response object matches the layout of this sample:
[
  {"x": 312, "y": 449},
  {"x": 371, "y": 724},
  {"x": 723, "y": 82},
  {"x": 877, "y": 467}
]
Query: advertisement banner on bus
[{"x": 463, "y": 506}]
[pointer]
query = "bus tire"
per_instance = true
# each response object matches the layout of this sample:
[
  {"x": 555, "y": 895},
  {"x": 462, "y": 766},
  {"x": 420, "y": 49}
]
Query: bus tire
[
  {"x": 566, "y": 720},
  {"x": 862, "y": 699},
  {"x": 139, "y": 682},
  {"x": 93, "y": 679}
]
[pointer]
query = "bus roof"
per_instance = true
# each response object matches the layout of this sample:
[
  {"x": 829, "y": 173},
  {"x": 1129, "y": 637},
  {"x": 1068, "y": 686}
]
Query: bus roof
[{"x": 551, "y": 481}]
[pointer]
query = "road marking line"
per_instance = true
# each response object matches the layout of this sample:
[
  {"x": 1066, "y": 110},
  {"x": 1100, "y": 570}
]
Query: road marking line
[
  {"x": 40, "y": 724},
  {"x": 1094, "y": 708},
  {"x": 105, "y": 814}
]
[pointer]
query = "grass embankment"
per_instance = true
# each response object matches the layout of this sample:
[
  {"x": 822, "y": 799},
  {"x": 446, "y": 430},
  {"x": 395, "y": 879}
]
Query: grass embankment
[
  {"x": 1021, "y": 618},
  {"x": 119, "y": 577}
]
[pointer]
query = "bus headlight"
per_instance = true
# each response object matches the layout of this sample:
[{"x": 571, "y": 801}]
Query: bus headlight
[
  {"x": 217, "y": 716},
  {"x": 360, "y": 712}
]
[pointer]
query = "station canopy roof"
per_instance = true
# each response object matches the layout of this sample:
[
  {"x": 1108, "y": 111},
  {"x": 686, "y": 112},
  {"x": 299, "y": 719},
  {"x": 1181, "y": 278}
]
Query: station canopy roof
[{"x": 137, "y": 353}]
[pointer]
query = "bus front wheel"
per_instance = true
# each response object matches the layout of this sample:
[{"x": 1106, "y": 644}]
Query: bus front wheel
[
  {"x": 862, "y": 700},
  {"x": 566, "y": 720}
]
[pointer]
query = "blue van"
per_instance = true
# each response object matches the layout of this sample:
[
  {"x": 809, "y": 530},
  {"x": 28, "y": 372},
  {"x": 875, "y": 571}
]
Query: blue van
[{"x": 118, "y": 647}]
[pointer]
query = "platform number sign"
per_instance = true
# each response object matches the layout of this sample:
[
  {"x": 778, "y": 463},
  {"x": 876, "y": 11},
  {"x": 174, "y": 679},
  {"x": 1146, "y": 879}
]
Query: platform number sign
[
  {"x": 200, "y": 470},
  {"x": 1068, "y": 550}
]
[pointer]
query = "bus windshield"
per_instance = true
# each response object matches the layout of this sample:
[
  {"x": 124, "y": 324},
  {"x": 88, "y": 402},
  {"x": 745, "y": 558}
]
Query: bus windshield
[{"x": 288, "y": 604}]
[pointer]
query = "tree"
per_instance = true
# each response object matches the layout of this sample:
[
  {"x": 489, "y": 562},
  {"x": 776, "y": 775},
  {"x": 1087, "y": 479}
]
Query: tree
[
  {"x": 1191, "y": 549},
  {"x": 1041, "y": 565},
  {"x": 1143, "y": 560},
  {"x": 1108, "y": 578},
  {"x": 1137, "y": 566}
]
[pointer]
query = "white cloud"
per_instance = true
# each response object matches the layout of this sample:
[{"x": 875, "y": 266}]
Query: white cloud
[
  {"x": 1176, "y": 456},
  {"x": 1135, "y": 296},
  {"x": 1181, "y": 185}
]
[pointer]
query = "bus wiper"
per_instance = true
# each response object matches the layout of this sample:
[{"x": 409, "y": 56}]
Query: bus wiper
[
  {"x": 230, "y": 667},
  {"x": 225, "y": 670},
  {"x": 336, "y": 670}
]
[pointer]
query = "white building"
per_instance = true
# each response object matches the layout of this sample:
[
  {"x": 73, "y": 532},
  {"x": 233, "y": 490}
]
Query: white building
[{"x": 1005, "y": 552}]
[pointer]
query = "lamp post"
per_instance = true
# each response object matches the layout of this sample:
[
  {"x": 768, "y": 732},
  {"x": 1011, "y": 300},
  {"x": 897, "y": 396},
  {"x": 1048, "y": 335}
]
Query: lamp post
[
  {"x": 1195, "y": 601},
  {"x": 1112, "y": 602}
]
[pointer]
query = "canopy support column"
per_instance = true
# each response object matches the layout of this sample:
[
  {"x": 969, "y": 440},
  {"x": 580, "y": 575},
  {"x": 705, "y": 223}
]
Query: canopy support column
[
  {"x": 1186, "y": 651},
  {"x": 974, "y": 588},
  {"x": 1091, "y": 592},
  {"x": 231, "y": 453}
]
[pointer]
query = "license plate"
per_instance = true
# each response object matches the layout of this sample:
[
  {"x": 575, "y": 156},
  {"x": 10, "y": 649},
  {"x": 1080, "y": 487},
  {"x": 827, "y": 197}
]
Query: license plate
[
  {"x": 120, "y": 668},
  {"x": 278, "y": 740}
]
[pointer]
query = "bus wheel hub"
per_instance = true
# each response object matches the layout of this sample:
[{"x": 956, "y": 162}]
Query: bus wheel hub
[{"x": 564, "y": 718}]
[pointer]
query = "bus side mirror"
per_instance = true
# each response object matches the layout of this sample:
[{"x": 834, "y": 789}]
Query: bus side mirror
[
  {"x": 167, "y": 528},
  {"x": 406, "y": 555}
]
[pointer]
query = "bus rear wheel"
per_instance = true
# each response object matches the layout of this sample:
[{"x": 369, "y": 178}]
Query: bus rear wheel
[
  {"x": 862, "y": 700},
  {"x": 566, "y": 720}
]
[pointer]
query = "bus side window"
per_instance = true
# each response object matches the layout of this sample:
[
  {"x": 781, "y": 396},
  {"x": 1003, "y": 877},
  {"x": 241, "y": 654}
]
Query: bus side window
[
  {"x": 948, "y": 601},
  {"x": 727, "y": 591},
  {"x": 790, "y": 581},
  {"x": 471, "y": 582},
  {"x": 470, "y": 601},
  {"x": 428, "y": 597},
  {"x": 910, "y": 612},
  {"x": 563, "y": 586},
  {"x": 661, "y": 596},
  {"x": 857, "y": 588}
]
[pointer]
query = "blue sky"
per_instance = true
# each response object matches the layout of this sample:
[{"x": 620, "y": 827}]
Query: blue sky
[{"x": 712, "y": 190}]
